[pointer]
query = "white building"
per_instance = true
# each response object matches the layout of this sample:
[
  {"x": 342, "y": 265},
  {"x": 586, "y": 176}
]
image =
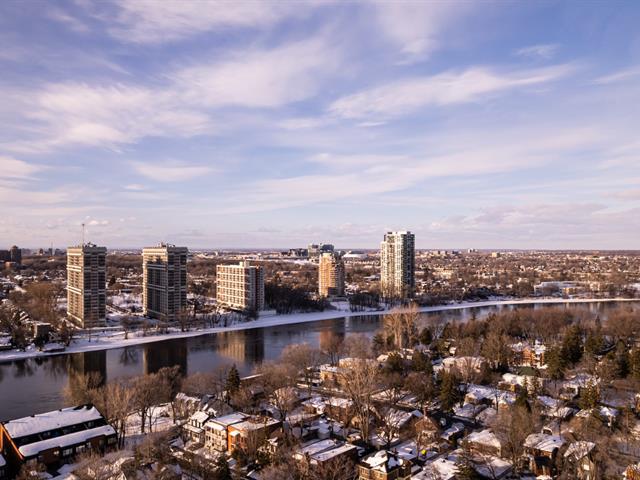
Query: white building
[
  {"x": 240, "y": 287},
  {"x": 397, "y": 265},
  {"x": 330, "y": 275}
]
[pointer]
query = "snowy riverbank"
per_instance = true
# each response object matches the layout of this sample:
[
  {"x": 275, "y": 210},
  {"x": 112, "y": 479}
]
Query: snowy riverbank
[{"x": 110, "y": 340}]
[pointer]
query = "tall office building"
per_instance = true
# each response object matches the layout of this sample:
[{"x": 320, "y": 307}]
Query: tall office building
[
  {"x": 86, "y": 285},
  {"x": 314, "y": 250},
  {"x": 164, "y": 283},
  {"x": 397, "y": 265},
  {"x": 330, "y": 275},
  {"x": 240, "y": 287},
  {"x": 16, "y": 255}
]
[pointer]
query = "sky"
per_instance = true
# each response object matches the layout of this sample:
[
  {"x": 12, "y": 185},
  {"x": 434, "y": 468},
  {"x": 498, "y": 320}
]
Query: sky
[{"x": 274, "y": 125}]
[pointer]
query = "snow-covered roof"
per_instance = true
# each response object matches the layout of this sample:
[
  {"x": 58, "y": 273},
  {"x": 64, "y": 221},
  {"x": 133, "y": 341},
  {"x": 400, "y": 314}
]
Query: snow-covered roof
[
  {"x": 484, "y": 437},
  {"x": 226, "y": 420},
  {"x": 452, "y": 430},
  {"x": 314, "y": 447},
  {"x": 63, "y": 441},
  {"x": 544, "y": 442},
  {"x": 254, "y": 424},
  {"x": 444, "y": 468},
  {"x": 383, "y": 461},
  {"x": 199, "y": 417},
  {"x": 579, "y": 449},
  {"x": 44, "y": 422},
  {"x": 333, "y": 452}
]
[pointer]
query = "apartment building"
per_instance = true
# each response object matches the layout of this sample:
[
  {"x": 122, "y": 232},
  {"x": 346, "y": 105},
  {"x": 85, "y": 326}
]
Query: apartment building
[
  {"x": 86, "y": 285},
  {"x": 397, "y": 265},
  {"x": 330, "y": 275},
  {"x": 164, "y": 284},
  {"x": 55, "y": 438},
  {"x": 240, "y": 287}
]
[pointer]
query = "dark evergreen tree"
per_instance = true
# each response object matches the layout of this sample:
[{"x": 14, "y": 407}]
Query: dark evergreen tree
[
  {"x": 449, "y": 391},
  {"x": 421, "y": 362},
  {"x": 556, "y": 363},
  {"x": 572, "y": 344},
  {"x": 522, "y": 398},
  {"x": 222, "y": 470},
  {"x": 426, "y": 337},
  {"x": 589, "y": 396},
  {"x": 622, "y": 360},
  {"x": 233, "y": 380}
]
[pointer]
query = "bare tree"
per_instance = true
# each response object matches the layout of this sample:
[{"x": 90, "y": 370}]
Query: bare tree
[
  {"x": 401, "y": 324},
  {"x": 359, "y": 381},
  {"x": 333, "y": 348},
  {"x": 277, "y": 381},
  {"x": 386, "y": 411},
  {"x": 512, "y": 426},
  {"x": 357, "y": 346},
  {"x": 304, "y": 358}
]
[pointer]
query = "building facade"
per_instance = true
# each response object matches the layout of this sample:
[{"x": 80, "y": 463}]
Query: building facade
[
  {"x": 330, "y": 275},
  {"x": 55, "y": 438},
  {"x": 397, "y": 265},
  {"x": 86, "y": 285},
  {"x": 16, "y": 254},
  {"x": 240, "y": 287},
  {"x": 164, "y": 284}
]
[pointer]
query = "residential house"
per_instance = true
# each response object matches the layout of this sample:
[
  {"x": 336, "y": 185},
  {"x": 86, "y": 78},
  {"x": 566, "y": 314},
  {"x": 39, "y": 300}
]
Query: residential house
[
  {"x": 54, "y": 438},
  {"x": 251, "y": 432},
  {"x": 541, "y": 451},
  {"x": 318, "y": 452},
  {"x": 483, "y": 442},
  {"x": 194, "y": 428},
  {"x": 217, "y": 431},
  {"x": 384, "y": 465},
  {"x": 582, "y": 456}
]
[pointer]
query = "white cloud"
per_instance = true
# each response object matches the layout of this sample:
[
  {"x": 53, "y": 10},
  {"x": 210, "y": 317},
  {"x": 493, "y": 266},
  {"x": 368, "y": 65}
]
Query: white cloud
[
  {"x": 72, "y": 22},
  {"x": 14, "y": 169},
  {"x": 170, "y": 172},
  {"x": 360, "y": 175},
  {"x": 98, "y": 223},
  {"x": 619, "y": 76},
  {"x": 113, "y": 114},
  {"x": 417, "y": 28},
  {"x": 406, "y": 96},
  {"x": 261, "y": 78},
  {"x": 545, "y": 51},
  {"x": 135, "y": 187},
  {"x": 151, "y": 21}
]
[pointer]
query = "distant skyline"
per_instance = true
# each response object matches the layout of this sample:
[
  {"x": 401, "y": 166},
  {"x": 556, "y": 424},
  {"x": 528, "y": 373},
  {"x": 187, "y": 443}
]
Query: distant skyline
[{"x": 490, "y": 125}]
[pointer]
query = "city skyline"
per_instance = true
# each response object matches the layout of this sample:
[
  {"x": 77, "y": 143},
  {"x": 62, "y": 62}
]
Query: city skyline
[{"x": 272, "y": 125}]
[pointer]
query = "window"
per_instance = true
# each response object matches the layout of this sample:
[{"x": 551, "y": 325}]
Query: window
[{"x": 67, "y": 452}]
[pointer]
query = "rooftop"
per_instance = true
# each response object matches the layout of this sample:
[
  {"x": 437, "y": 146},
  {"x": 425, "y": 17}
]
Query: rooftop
[{"x": 44, "y": 422}]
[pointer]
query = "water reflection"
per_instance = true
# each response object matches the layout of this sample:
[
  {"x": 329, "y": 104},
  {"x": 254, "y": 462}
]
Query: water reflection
[
  {"x": 36, "y": 385},
  {"x": 154, "y": 358}
]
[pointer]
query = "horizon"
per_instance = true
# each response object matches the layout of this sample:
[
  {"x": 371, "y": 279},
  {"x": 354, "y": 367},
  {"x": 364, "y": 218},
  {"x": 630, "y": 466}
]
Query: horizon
[{"x": 501, "y": 126}]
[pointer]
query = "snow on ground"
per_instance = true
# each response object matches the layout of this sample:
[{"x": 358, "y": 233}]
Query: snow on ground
[{"x": 115, "y": 339}]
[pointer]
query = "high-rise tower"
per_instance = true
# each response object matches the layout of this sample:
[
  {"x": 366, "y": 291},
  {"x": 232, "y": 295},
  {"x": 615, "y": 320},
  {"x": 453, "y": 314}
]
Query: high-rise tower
[
  {"x": 164, "y": 283},
  {"x": 397, "y": 265},
  {"x": 86, "y": 285}
]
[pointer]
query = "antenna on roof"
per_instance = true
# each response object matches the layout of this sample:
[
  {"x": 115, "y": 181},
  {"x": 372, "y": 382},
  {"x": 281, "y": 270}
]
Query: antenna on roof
[{"x": 83, "y": 234}]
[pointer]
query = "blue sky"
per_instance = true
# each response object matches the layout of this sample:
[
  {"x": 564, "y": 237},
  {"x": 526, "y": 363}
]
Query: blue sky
[{"x": 256, "y": 124}]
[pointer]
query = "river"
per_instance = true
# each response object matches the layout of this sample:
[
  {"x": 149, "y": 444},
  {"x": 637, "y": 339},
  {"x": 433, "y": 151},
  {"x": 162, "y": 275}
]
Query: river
[{"x": 36, "y": 385}]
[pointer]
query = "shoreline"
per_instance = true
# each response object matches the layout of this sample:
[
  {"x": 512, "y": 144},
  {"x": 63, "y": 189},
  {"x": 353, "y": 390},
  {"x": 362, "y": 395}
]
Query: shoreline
[{"x": 99, "y": 343}]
